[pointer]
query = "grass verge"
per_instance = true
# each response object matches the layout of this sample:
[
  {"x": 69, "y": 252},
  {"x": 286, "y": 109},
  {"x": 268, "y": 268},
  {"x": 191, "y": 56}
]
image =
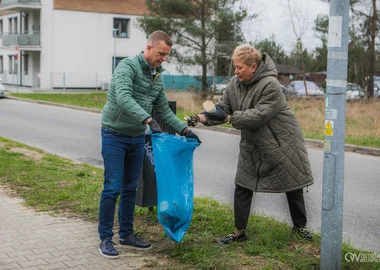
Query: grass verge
[{"x": 63, "y": 187}]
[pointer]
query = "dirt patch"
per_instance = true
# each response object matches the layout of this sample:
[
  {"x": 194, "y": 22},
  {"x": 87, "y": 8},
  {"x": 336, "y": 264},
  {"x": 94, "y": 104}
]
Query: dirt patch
[
  {"x": 305, "y": 248},
  {"x": 28, "y": 153}
]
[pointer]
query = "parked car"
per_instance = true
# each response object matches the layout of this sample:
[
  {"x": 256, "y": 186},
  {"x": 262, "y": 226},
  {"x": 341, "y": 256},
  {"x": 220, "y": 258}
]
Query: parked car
[
  {"x": 354, "y": 92},
  {"x": 2, "y": 91},
  {"x": 312, "y": 88},
  {"x": 220, "y": 88},
  {"x": 288, "y": 91},
  {"x": 376, "y": 89}
]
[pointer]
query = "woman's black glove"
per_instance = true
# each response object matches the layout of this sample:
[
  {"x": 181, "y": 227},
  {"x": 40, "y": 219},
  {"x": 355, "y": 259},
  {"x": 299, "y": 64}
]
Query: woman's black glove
[{"x": 218, "y": 115}]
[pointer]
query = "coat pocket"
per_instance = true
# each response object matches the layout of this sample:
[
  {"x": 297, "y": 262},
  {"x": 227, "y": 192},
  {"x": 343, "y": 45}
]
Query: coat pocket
[{"x": 274, "y": 136}]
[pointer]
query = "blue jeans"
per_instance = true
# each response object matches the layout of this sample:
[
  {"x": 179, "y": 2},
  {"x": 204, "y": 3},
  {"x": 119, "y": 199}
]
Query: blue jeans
[{"x": 123, "y": 159}]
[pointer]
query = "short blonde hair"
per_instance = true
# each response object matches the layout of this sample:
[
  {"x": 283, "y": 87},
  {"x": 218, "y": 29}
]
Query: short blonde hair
[
  {"x": 247, "y": 54},
  {"x": 158, "y": 36}
]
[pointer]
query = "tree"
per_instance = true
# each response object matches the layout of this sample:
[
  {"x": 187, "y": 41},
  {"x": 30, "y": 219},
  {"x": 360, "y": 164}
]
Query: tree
[
  {"x": 301, "y": 58},
  {"x": 364, "y": 29},
  {"x": 275, "y": 51},
  {"x": 299, "y": 51},
  {"x": 362, "y": 48},
  {"x": 197, "y": 26},
  {"x": 320, "y": 53}
]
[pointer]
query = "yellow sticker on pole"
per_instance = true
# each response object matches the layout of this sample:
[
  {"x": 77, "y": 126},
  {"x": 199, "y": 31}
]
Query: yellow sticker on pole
[{"x": 329, "y": 127}]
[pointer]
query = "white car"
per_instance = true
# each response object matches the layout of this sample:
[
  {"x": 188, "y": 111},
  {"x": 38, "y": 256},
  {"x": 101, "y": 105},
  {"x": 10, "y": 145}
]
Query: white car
[
  {"x": 312, "y": 88},
  {"x": 376, "y": 89},
  {"x": 2, "y": 91},
  {"x": 220, "y": 88},
  {"x": 354, "y": 92}
]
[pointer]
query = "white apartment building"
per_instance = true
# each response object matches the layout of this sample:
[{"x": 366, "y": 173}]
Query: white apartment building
[{"x": 68, "y": 43}]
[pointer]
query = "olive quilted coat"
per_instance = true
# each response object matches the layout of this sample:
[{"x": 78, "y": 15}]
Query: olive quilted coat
[{"x": 273, "y": 155}]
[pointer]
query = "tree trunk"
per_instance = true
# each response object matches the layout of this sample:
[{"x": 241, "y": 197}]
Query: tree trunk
[
  {"x": 372, "y": 58},
  {"x": 204, "y": 56}
]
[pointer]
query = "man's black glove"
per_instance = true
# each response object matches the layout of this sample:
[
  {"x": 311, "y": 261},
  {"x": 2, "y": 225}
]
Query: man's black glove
[
  {"x": 189, "y": 134},
  {"x": 218, "y": 115},
  {"x": 154, "y": 127}
]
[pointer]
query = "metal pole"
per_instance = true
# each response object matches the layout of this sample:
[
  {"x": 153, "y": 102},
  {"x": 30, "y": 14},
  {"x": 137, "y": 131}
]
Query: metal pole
[
  {"x": 335, "y": 118},
  {"x": 96, "y": 81},
  {"x": 114, "y": 49}
]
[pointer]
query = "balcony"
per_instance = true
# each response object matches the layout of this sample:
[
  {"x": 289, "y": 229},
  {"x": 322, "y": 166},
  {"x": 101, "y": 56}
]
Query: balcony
[
  {"x": 20, "y": 5},
  {"x": 21, "y": 39}
]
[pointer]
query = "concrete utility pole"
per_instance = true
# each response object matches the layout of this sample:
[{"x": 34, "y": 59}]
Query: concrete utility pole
[{"x": 335, "y": 118}]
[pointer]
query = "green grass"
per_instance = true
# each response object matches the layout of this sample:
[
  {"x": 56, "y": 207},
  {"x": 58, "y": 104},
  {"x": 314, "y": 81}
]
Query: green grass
[
  {"x": 364, "y": 141},
  {"x": 58, "y": 185},
  {"x": 90, "y": 100}
]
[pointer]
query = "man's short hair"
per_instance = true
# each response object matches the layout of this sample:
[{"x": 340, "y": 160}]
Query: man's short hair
[
  {"x": 247, "y": 54},
  {"x": 159, "y": 35}
]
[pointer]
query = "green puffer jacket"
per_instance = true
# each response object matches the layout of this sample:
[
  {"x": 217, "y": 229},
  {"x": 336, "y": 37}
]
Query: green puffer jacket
[
  {"x": 273, "y": 155},
  {"x": 132, "y": 95}
]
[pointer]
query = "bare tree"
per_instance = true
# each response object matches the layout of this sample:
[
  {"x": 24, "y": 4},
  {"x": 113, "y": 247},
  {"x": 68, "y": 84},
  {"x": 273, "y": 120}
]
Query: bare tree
[{"x": 299, "y": 31}]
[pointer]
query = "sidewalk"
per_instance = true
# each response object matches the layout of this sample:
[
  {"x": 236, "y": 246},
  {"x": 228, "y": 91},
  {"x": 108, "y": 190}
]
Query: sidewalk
[
  {"x": 23, "y": 89},
  {"x": 36, "y": 241}
]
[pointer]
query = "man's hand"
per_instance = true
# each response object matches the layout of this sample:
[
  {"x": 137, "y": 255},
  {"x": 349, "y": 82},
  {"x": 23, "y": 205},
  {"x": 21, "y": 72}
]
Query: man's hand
[
  {"x": 218, "y": 115},
  {"x": 154, "y": 127},
  {"x": 189, "y": 134}
]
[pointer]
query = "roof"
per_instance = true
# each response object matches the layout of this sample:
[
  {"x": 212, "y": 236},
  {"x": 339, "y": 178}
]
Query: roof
[
  {"x": 7, "y": 12},
  {"x": 287, "y": 69},
  {"x": 130, "y": 7}
]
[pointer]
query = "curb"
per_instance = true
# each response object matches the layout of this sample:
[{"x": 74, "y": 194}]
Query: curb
[
  {"x": 56, "y": 104},
  {"x": 309, "y": 142}
]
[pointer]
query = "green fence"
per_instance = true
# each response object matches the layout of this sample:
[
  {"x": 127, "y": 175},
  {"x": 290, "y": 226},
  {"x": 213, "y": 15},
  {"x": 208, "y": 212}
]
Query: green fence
[{"x": 186, "y": 83}]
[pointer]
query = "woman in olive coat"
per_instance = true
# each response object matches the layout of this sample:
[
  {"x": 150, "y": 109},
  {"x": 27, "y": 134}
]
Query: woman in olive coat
[{"x": 273, "y": 156}]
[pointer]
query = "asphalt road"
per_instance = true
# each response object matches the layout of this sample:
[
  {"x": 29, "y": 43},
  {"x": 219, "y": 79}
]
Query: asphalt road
[{"x": 76, "y": 135}]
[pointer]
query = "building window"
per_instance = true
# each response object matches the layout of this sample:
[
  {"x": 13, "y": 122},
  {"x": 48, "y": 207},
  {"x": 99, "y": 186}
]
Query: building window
[
  {"x": 26, "y": 22},
  {"x": 10, "y": 64},
  {"x": 26, "y": 64},
  {"x": 15, "y": 30},
  {"x": 10, "y": 25},
  {"x": 117, "y": 60},
  {"x": 120, "y": 28},
  {"x": 1, "y": 27},
  {"x": 1, "y": 64}
]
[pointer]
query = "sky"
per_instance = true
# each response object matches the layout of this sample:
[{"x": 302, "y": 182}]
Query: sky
[{"x": 274, "y": 18}]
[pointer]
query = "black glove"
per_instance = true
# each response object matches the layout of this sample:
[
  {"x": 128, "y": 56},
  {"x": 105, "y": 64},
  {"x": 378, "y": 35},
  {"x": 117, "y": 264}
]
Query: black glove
[
  {"x": 218, "y": 115},
  {"x": 189, "y": 134},
  {"x": 154, "y": 127}
]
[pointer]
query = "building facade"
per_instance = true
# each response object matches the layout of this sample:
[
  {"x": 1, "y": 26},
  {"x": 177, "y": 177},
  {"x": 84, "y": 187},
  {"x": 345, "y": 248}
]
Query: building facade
[{"x": 51, "y": 44}]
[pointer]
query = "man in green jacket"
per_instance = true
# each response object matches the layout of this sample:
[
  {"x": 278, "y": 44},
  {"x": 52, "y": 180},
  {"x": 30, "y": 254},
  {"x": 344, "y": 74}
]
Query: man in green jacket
[{"x": 135, "y": 89}]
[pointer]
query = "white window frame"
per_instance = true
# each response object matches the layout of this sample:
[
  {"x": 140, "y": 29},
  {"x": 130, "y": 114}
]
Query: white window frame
[{"x": 121, "y": 27}]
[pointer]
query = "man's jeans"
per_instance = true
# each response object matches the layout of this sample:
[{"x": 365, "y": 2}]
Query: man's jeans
[{"x": 123, "y": 158}]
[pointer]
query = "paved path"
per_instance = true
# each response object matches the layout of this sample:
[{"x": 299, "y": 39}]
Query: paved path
[{"x": 36, "y": 241}]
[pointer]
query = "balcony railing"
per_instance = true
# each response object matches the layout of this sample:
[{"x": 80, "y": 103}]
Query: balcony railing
[
  {"x": 12, "y": 2},
  {"x": 21, "y": 39}
]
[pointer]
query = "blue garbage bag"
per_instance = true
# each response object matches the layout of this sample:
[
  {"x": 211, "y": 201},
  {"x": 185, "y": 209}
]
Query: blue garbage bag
[{"x": 173, "y": 160}]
